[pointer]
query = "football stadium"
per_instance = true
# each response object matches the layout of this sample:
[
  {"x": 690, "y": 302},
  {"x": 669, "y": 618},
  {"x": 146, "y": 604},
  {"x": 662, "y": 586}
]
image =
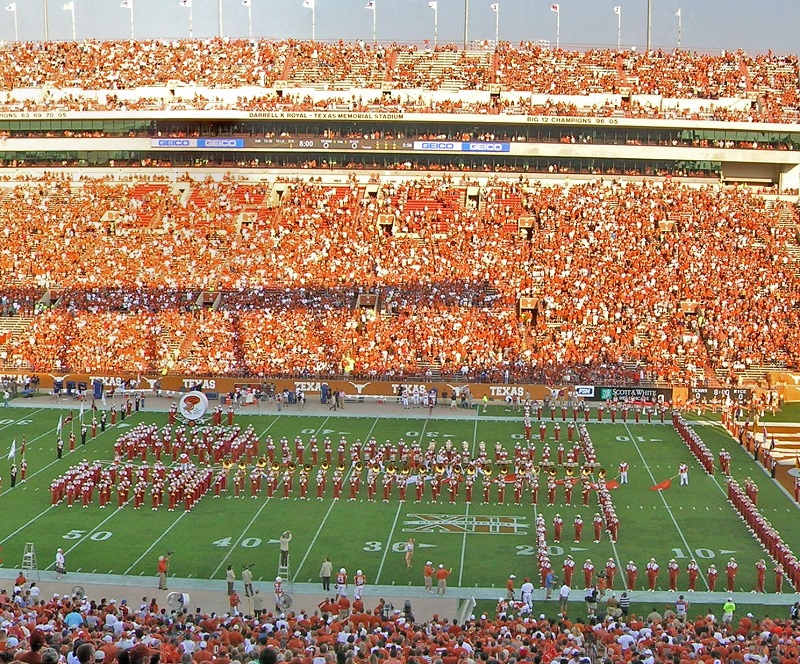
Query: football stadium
[{"x": 345, "y": 351}]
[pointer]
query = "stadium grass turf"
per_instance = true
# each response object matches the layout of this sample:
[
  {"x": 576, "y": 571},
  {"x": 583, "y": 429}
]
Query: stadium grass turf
[{"x": 682, "y": 522}]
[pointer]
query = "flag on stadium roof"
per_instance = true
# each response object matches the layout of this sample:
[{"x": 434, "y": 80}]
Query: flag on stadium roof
[
  {"x": 554, "y": 8},
  {"x": 127, "y": 4},
  {"x": 678, "y": 13},
  {"x": 495, "y": 7},
  {"x": 617, "y": 9},
  {"x": 12, "y": 7},
  {"x": 308, "y": 4},
  {"x": 69, "y": 6},
  {"x": 433, "y": 5},
  {"x": 370, "y": 5},
  {"x": 246, "y": 3},
  {"x": 186, "y": 3}
]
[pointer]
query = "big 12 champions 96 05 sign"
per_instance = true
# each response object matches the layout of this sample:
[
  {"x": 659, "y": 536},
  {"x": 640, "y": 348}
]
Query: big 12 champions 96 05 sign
[{"x": 193, "y": 405}]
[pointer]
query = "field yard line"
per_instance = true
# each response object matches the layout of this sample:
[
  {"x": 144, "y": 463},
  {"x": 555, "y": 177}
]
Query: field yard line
[
  {"x": 68, "y": 452},
  {"x": 21, "y": 528},
  {"x": 240, "y": 538},
  {"x": 152, "y": 546},
  {"x": 466, "y": 513},
  {"x": 252, "y": 521},
  {"x": 16, "y": 422},
  {"x": 87, "y": 536},
  {"x": 330, "y": 508},
  {"x": 388, "y": 546},
  {"x": 664, "y": 500}
]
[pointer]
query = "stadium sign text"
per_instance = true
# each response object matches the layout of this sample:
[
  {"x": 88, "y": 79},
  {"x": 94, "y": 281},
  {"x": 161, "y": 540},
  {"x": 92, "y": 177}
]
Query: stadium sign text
[
  {"x": 323, "y": 115},
  {"x": 507, "y": 391},
  {"x": 206, "y": 384},
  {"x": 636, "y": 393},
  {"x": 109, "y": 381},
  {"x": 556, "y": 119}
]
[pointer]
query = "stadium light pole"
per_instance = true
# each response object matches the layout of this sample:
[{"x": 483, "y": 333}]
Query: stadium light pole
[
  {"x": 649, "y": 19},
  {"x": 46, "y": 21},
  {"x": 466, "y": 23}
]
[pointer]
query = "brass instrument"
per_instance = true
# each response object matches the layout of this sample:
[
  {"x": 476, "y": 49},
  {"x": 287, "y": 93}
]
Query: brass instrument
[
  {"x": 291, "y": 466},
  {"x": 307, "y": 468},
  {"x": 537, "y": 469},
  {"x": 376, "y": 467},
  {"x": 242, "y": 465},
  {"x": 552, "y": 471},
  {"x": 358, "y": 467},
  {"x": 325, "y": 465},
  {"x": 586, "y": 471},
  {"x": 457, "y": 469},
  {"x": 423, "y": 469},
  {"x": 262, "y": 462},
  {"x": 405, "y": 470},
  {"x": 440, "y": 469},
  {"x": 275, "y": 466},
  {"x": 488, "y": 470},
  {"x": 391, "y": 469},
  {"x": 503, "y": 470},
  {"x": 227, "y": 464},
  {"x": 470, "y": 470},
  {"x": 570, "y": 471},
  {"x": 602, "y": 473}
]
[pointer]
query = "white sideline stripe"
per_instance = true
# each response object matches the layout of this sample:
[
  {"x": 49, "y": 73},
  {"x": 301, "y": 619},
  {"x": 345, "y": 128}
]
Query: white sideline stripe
[
  {"x": 466, "y": 512},
  {"x": 664, "y": 500},
  {"x": 249, "y": 525},
  {"x": 330, "y": 508},
  {"x": 396, "y": 516},
  {"x": 30, "y": 477}
]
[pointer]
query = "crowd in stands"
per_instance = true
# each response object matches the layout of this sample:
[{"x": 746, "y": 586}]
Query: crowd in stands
[
  {"x": 626, "y": 278},
  {"x": 124, "y": 65},
  {"x": 83, "y": 630}
]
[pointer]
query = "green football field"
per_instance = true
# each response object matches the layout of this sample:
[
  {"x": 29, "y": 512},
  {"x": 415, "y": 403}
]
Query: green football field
[{"x": 482, "y": 543}]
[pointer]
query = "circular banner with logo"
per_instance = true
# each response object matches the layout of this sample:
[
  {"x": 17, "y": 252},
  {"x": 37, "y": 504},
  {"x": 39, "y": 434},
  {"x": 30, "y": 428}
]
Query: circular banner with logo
[{"x": 193, "y": 405}]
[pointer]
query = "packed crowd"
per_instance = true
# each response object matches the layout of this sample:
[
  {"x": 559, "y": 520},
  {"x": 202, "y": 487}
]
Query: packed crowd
[
  {"x": 625, "y": 279},
  {"x": 82, "y": 630},
  {"x": 126, "y": 65}
]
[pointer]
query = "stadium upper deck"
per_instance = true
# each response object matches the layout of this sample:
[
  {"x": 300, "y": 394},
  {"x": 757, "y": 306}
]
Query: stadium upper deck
[{"x": 525, "y": 109}]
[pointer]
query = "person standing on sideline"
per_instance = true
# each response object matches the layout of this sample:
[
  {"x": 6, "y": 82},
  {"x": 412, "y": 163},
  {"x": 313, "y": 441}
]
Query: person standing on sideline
[
  {"x": 563, "y": 598},
  {"x": 234, "y": 601},
  {"x": 61, "y": 564},
  {"x": 163, "y": 567},
  {"x": 409, "y": 551},
  {"x": 247, "y": 579},
  {"x": 325, "y": 573},
  {"x": 728, "y": 610},
  {"x": 427, "y": 575},
  {"x": 285, "y": 538},
  {"x": 230, "y": 577},
  {"x": 441, "y": 580},
  {"x": 527, "y": 593}
]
